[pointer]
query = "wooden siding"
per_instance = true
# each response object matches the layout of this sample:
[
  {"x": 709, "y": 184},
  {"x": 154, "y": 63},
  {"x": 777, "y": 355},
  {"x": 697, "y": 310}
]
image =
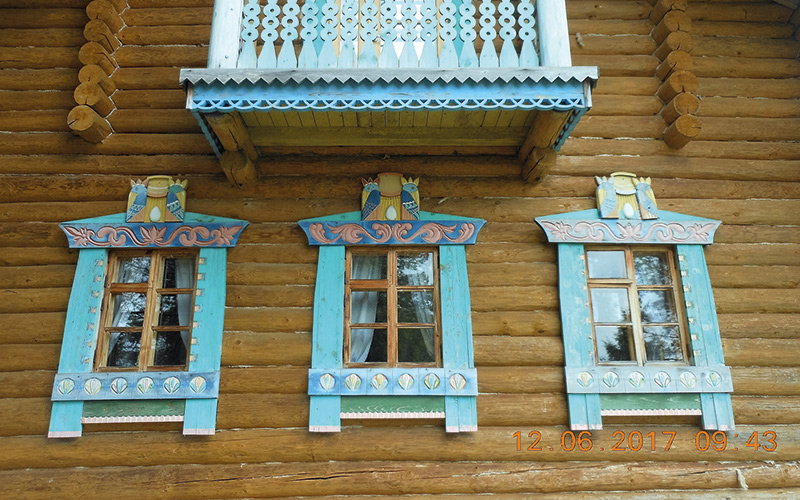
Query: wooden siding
[{"x": 743, "y": 168}]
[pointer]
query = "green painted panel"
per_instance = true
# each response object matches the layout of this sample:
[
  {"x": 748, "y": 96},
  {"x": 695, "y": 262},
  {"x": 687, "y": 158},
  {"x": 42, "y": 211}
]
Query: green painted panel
[
  {"x": 150, "y": 408},
  {"x": 392, "y": 404},
  {"x": 650, "y": 401}
]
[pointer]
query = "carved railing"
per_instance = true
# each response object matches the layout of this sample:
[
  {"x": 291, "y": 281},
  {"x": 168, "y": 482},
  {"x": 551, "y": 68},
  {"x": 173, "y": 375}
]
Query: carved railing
[{"x": 285, "y": 34}]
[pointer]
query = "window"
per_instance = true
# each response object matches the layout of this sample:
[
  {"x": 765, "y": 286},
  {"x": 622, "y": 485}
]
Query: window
[
  {"x": 635, "y": 300},
  {"x": 392, "y": 330},
  {"x": 641, "y": 336},
  {"x": 143, "y": 332},
  {"x": 392, "y": 308},
  {"x": 147, "y": 312}
]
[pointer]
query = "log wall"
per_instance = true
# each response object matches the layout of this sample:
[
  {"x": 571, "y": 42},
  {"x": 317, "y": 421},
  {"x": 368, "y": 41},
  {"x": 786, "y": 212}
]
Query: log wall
[{"x": 743, "y": 168}]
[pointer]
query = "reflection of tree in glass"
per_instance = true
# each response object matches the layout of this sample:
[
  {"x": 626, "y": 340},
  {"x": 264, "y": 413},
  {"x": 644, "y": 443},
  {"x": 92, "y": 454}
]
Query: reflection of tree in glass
[
  {"x": 415, "y": 269},
  {"x": 619, "y": 348},
  {"x": 170, "y": 349},
  {"x": 134, "y": 270},
  {"x": 125, "y": 352},
  {"x": 656, "y": 306},
  {"x": 651, "y": 269},
  {"x": 413, "y": 345},
  {"x": 129, "y": 309},
  {"x": 662, "y": 344}
]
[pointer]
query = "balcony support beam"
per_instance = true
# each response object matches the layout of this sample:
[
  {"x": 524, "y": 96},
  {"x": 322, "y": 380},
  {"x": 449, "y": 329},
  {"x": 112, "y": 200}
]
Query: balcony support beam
[
  {"x": 537, "y": 152},
  {"x": 553, "y": 33},
  {"x": 226, "y": 27},
  {"x": 239, "y": 155}
]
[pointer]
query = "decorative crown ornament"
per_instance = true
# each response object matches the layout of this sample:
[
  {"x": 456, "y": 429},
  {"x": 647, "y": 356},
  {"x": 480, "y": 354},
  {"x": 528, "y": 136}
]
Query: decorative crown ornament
[
  {"x": 390, "y": 197},
  {"x": 156, "y": 199},
  {"x": 624, "y": 196}
]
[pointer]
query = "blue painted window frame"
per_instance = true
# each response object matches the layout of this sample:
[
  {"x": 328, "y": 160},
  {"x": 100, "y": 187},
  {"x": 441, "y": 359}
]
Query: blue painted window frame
[
  {"x": 198, "y": 387},
  {"x": 702, "y": 387},
  {"x": 329, "y": 380}
]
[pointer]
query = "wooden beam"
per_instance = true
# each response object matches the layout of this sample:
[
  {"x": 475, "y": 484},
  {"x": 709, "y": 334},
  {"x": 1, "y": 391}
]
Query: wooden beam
[
  {"x": 538, "y": 164},
  {"x": 676, "y": 60},
  {"x": 682, "y": 104},
  {"x": 238, "y": 168},
  {"x": 93, "y": 73},
  {"x": 238, "y": 159},
  {"x": 92, "y": 95},
  {"x": 537, "y": 152}
]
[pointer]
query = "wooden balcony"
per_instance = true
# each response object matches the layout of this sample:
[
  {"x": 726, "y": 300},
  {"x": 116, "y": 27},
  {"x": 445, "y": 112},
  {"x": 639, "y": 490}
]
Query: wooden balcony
[{"x": 491, "y": 74}]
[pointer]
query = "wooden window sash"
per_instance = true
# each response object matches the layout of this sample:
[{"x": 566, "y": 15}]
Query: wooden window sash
[
  {"x": 392, "y": 325},
  {"x": 637, "y": 324},
  {"x": 149, "y": 328}
]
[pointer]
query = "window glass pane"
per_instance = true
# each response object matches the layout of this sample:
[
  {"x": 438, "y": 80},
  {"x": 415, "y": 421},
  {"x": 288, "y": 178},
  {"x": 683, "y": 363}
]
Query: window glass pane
[
  {"x": 652, "y": 268},
  {"x": 613, "y": 343},
  {"x": 415, "y": 269},
  {"x": 123, "y": 349},
  {"x": 133, "y": 270},
  {"x": 171, "y": 348},
  {"x": 128, "y": 309},
  {"x": 657, "y": 306},
  {"x": 663, "y": 343},
  {"x": 367, "y": 307},
  {"x": 175, "y": 309},
  {"x": 606, "y": 264},
  {"x": 368, "y": 266},
  {"x": 610, "y": 305},
  {"x": 368, "y": 345},
  {"x": 416, "y": 345},
  {"x": 415, "y": 307},
  {"x": 178, "y": 272}
]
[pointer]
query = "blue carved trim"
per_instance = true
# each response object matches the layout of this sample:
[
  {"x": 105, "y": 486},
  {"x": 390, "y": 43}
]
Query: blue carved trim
[
  {"x": 135, "y": 385},
  {"x": 431, "y": 229},
  {"x": 648, "y": 379},
  {"x": 385, "y": 90},
  {"x": 587, "y": 227},
  {"x": 213, "y": 140},
  {"x": 393, "y": 381},
  {"x": 197, "y": 230}
]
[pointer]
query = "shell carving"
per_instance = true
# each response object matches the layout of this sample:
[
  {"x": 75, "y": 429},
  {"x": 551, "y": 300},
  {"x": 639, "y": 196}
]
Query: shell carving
[
  {"x": 92, "y": 386},
  {"x": 611, "y": 379},
  {"x": 457, "y": 381},
  {"x": 585, "y": 379},
  {"x": 197, "y": 385},
  {"x": 352, "y": 382},
  {"x": 144, "y": 385},
  {"x": 713, "y": 379},
  {"x": 66, "y": 386},
  {"x": 636, "y": 379},
  {"x": 379, "y": 381},
  {"x": 688, "y": 379},
  {"x": 662, "y": 379},
  {"x": 405, "y": 381},
  {"x": 119, "y": 385},
  {"x": 431, "y": 381},
  {"x": 327, "y": 381},
  {"x": 171, "y": 385}
]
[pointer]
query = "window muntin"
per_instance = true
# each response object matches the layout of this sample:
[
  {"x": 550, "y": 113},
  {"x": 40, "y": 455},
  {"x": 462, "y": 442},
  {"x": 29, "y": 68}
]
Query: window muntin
[
  {"x": 147, "y": 312},
  {"x": 634, "y": 298},
  {"x": 392, "y": 307}
]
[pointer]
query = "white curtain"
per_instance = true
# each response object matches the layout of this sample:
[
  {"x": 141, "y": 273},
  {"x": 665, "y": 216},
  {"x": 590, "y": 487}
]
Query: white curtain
[
  {"x": 184, "y": 278},
  {"x": 423, "y": 310},
  {"x": 363, "y": 307}
]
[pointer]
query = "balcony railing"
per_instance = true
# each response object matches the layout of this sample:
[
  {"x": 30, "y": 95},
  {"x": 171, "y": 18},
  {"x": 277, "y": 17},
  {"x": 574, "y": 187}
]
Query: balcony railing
[{"x": 389, "y": 34}]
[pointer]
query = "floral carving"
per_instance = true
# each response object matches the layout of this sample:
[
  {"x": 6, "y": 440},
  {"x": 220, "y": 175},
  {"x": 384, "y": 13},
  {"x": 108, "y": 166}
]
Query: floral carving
[
  {"x": 663, "y": 232},
  {"x": 402, "y": 232},
  {"x": 155, "y": 235}
]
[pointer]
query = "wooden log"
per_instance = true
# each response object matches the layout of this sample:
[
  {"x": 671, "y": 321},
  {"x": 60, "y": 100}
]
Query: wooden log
[
  {"x": 44, "y": 37},
  {"x": 661, "y": 7},
  {"x": 105, "y": 11},
  {"x": 153, "y": 121},
  {"x": 749, "y": 29},
  {"x": 232, "y": 133},
  {"x": 740, "y": 46},
  {"x": 616, "y": 126},
  {"x": 682, "y": 104},
  {"x": 746, "y": 67},
  {"x": 92, "y": 95},
  {"x": 491, "y": 444},
  {"x": 754, "y": 108},
  {"x": 38, "y": 57},
  {"x": 169, "y": 16},
  {"x": 38, "y": 79},
  {"x": 26, "y": 100},
  {"x": 673, "y": 20},
  {"x": 622, "y": 105},
  {"x": 747, "y": 87},
  {"x": 150, "y": 99},
  {"x": 676, "y": 83},
  {"x": 155, "y": 56},
  {"x": 617, "y": 44},
  {"x": 98, "y": 31},
  {"x": 537, "y": 165},
  {"x": 164, "y": 35},
  {"x": 677, "y": 60},
  {"x": 618, "y": 65},
  {"x": 120, "y": 5},
  {"x": 543, "y": 133},
  {"x": 38, "y": 328},
  {"x": 756, "y": 129},
  {"x": 93, "y": 73},
  {"x": 610, "y": 26},
  {"x": 32, "y": 121},
  {"x": 239, "y": 168},
  {"x": 43, "y": 18},
  {"x": 581, "y": 9},
  {"x": 676, "y": 40},
  {"x": 758, "y": 12},
  {"x": 85, "y": 122},
  {"x": 94, "y": 53}
]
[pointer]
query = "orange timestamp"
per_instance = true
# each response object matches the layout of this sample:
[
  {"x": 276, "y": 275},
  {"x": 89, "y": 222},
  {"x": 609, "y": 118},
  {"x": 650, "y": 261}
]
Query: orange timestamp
[{"x": 651, "y": 441}]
